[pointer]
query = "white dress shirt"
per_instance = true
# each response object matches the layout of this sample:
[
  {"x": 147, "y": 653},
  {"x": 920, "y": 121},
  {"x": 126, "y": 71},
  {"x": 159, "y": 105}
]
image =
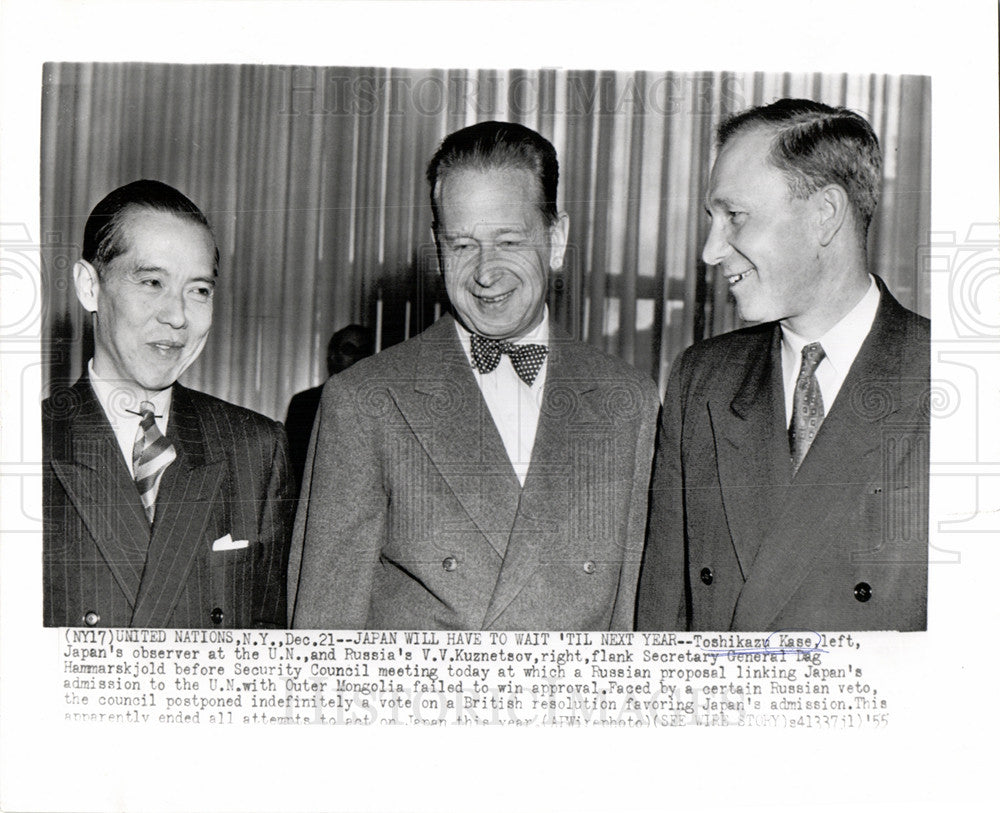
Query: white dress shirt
[
  {"x": 841, "y": 344},
  {"x": 120, "y": 402},
  {"x": 514, "y": 405}
]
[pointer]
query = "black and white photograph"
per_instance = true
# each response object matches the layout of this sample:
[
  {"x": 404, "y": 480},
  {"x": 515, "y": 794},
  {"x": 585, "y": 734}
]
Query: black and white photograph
[
  {"x": 440, "y": 494},
  {"x": 372, "y": 368}
]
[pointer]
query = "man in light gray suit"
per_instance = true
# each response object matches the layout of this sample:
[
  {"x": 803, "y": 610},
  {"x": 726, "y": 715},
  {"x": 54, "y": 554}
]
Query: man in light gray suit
[{"x": 490, "y": 473}]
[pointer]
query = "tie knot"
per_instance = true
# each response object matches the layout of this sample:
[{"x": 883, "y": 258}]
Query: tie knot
[
  {"x": 146, "y": 414},
  {"x": 526, "y": 359},
  {"x": 812, "y": 355}
]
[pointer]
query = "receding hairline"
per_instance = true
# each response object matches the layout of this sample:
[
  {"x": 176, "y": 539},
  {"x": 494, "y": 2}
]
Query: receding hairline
[
  {"x": 500, "y": 145},
  {"x": 124, "y": 223},
  {"x": 770, "y": 156},
  {"x": 475, "y": 168},
  {"x": 815, "y": 145}
]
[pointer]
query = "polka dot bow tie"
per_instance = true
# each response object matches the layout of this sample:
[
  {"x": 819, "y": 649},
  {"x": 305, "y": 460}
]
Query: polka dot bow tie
[{"x": 527, "y": 359}]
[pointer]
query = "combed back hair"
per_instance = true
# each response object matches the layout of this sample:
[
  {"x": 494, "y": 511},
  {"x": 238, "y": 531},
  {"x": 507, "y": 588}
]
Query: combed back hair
[
  {"x": 498, "y": 145},
  {"x": 105, "y": 236},
  {"x": 815, "y": 145}
]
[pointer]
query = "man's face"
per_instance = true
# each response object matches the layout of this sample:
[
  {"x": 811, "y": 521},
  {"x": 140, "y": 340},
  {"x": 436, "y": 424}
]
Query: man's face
[
  {"x": 153, "y": 302},
  {"x": 763, "y": 240},
  {"x": 496, "y": 249}
]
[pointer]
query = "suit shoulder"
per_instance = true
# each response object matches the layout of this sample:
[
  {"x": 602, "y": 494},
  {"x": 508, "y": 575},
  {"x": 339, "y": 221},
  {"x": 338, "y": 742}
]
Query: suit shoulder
[
  {"x": 225, "y": 414},
  {"x": 601, "y": 366},
  {"x": 892, "y": 309},
  {"x": 65, "y": 401},
  {"x": 396, "y": 362},
  {"x": 919, "y": 327},
  {"x": 736, "y": 343},
  {"x": 305, "y": 398}
]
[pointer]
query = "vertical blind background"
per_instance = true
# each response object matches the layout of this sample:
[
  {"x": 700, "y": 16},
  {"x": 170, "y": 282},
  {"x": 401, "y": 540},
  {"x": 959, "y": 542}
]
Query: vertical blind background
[{"x": 313, "y": 180}]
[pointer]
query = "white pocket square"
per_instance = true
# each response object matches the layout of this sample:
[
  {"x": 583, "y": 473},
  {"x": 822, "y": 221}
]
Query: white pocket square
[{"x": 228, "y": 543}]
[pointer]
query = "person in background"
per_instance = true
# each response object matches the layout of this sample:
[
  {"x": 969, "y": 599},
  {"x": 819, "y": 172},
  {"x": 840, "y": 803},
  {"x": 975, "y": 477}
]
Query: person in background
[{"x": 347, "y": 346}]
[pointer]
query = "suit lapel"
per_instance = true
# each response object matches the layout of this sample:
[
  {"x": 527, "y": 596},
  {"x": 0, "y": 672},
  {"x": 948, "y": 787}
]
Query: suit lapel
[
  {"x": 103, "y": 492},
  {"x": 445, "y": 410},
  {"x": 751, "y": 445},
  {"x": 184, "y": 503},
  {"x": 549, "y": 485},
  {"x": 833, "y": 474}
]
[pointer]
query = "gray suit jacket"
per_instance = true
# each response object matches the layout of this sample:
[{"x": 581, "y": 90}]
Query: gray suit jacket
[
  {"x": 104, "y": 566},
  {"x": 736, "y": 542},
  {"x": 411, "y": 515}
]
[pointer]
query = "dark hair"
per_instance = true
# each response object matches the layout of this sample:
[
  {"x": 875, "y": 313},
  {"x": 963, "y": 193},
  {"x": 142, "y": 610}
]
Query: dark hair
[
  {"x": 349, "y": 345},
  {"x": 104, "y": 236},
  {"x": 815, "y": 145},
  {"x": 498, "y": 145}
]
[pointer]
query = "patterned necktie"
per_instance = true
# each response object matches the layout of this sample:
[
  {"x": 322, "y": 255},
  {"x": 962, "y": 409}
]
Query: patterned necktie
[
  {"x": 151, "y": 455},
  {"x": 807, "y": 405},
  {"x": 527, "y": 359}
]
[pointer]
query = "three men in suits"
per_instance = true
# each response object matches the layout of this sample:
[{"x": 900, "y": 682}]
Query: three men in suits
[
  {"x": 164, "y": 507},
  {"x": 790, "y": 485},
  {"x": 490, "y": 473}
]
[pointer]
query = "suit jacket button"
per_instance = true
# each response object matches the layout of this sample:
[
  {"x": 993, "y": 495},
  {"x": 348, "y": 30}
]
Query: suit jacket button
[
  {"x": 91, "y": 619},
  {"x": 706, "y": 575},
  {"x": 450, "y": 564},
  {"x": 862, "y": 591},
  {"x": 589, "y": 566},
  {"x": 217, "y": 615}
]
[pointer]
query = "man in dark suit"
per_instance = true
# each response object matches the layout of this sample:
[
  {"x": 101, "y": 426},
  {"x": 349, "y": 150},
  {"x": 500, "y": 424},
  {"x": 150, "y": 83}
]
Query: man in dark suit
[
  {"x": 790, "y": 484},
  {"x": 490, "y": 473},
  {"x": 347, "y": 346},
  {"x": 163, "y": 507}
]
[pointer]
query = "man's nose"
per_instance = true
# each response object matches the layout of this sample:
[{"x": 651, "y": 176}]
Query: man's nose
[
  {"x": 717, "y": 247},
  {"x": 488, "y": 267},
  {"x": 172, "y": 310}
]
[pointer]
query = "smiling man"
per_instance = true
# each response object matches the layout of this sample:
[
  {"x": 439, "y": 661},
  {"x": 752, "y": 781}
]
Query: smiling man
[
  {"x": 490, "y": 473},
  {"x": 164, "y": 507},
  {"x": 790, "y": 484}
]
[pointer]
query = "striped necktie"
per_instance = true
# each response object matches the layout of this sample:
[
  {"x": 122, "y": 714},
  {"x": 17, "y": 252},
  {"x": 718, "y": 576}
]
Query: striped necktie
[
  {"x": 151, "y": 455},
  {"x": 807, "y": 405}
]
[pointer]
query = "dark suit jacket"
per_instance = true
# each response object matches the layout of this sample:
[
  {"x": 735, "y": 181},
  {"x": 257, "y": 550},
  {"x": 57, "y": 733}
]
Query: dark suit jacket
[
  {"x": 735, "y": 542},
  {"x": 299, "y": 421},
  {"x": 412, "y": 517},
  {"x": 230, "y": 476}
]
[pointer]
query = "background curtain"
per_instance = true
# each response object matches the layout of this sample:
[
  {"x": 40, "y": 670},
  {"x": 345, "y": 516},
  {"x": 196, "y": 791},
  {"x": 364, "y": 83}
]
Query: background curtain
[{"x": 313, "y": 180}]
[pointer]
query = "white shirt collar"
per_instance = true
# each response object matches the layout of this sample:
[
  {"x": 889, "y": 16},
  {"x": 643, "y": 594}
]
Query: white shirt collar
[
  {"x": 514, "y": 407},
  {"x": 120, "y": 401},
  {"x": 841, "y": 342},
  {"x": 537, "y": 335}
]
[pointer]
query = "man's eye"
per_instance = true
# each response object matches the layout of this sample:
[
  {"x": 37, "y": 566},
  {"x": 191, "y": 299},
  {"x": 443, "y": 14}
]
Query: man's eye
[
  {"x": 460, "y": 247},
  {"x": 508, "y": 244},
  {"x": 151, "y": 283},
  {"x": 737, "y": 217},
  {"x": 204, "y": 292}
]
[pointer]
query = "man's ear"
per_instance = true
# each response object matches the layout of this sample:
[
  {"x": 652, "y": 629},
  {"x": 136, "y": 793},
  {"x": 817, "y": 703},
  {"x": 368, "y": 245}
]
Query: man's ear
[
  {"x": 87, "y": 284},
  {"x": 558, "y": 237},
  {"x": 437, "y": 248},
  {"x": 834, "y": 206}
]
